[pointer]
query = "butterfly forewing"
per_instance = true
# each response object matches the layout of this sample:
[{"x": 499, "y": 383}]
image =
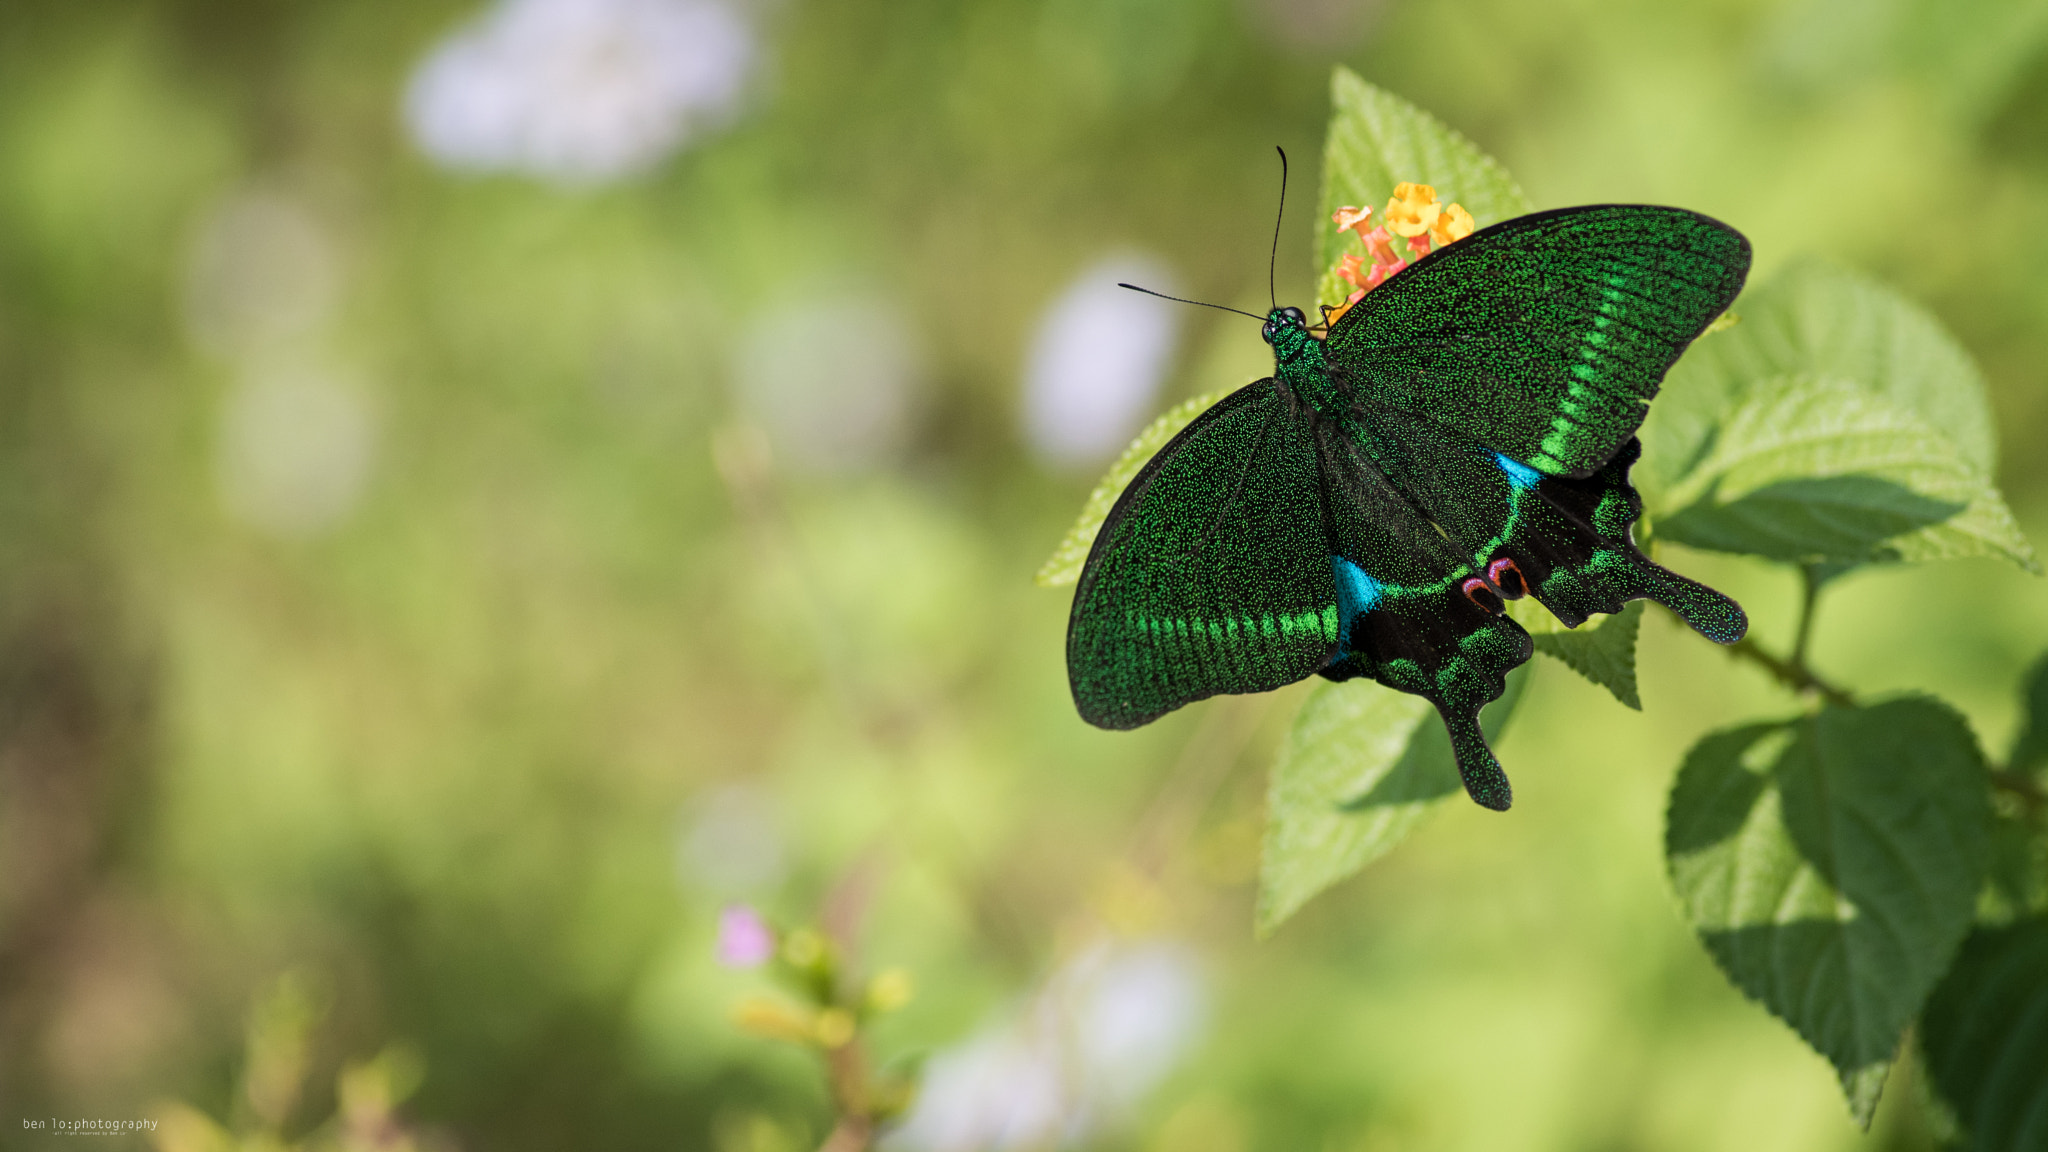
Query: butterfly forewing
[
  {"x": 1212, "y": 573},
  {"x": 1543, "y": 337}
]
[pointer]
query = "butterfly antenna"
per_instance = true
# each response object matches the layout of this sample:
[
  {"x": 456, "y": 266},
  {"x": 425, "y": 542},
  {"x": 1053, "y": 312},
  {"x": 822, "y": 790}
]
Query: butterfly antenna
[
  {"x": 1179, "y": 300},
  {"x": 1274, "y": 259}
]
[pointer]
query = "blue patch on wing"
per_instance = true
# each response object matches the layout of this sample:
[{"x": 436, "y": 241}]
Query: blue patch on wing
[
  {"x": 1356, "y": 593},
  {"x": 1519, "y": 474}
]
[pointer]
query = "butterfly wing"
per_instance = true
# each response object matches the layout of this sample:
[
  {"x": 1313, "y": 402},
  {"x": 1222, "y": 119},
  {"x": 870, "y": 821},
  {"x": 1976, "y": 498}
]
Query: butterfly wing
[
  {"x": 1441, "y": 529},
  {"x": 1212, "y": 572},
  {"x": 1403, "y": 616},
  {"x": 1544, "y": 337},
  {"x": 1567, "y": 540}
]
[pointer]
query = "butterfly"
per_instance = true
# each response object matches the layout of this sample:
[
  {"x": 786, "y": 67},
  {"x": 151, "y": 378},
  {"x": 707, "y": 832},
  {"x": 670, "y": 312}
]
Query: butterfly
[{"x": 1460, "y": 437}]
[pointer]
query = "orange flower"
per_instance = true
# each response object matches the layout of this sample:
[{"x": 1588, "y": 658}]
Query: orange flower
[
  {"x": 1352, "y": 220},
  {"x": 1351, "y": 268},
  {"x": 1452, "y": 225},
  {"x": 1381, "y": 245},
  {"x": 1413, "y": 210}
]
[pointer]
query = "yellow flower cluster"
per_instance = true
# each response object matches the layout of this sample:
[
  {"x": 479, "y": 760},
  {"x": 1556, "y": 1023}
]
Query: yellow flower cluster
[
  {"x": 1414, "y": 211},
  {"x": 1413, "y": 214}
]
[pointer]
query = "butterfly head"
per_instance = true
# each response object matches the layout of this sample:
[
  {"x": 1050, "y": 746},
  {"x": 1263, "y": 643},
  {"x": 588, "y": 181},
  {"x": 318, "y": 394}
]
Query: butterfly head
[{"x": 1287, "y": 331}]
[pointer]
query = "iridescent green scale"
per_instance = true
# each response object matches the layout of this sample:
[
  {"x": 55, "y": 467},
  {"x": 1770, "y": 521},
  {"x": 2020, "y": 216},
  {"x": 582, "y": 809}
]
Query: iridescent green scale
[{"x": 1460, "y": 437}]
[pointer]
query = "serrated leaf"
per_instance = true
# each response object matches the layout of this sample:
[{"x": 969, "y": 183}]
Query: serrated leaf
[
  {"x": 1604, "y": 653},
  {"x": 1378, "y": 140},
  {"x": 1831, "y": 865},
  {"x": 1064, "y": 565},
  {"x": 1985, "y": 1038},
  {"x": 1821, "y": 321},
  {"x": 1817, "y": 469},
  {"x": 1360, "y": 767}
]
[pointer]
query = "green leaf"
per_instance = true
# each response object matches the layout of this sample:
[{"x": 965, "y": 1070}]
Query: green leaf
[
  {"x": 1604, "y": 653},
  {"x": 1817, "y": 320},
  {"x": 1064, "y": 565},
  {"x": 1818, "y": 469},
  {"x": 1534, "y": 618},
  {"x": 1985, "y": 1038},
  {"x": 1378, "y": 140},
  {"x": 1831, "y": 865},
  {"x": 1358, "y": 770},
  {"x": 2030, "y": 748}
]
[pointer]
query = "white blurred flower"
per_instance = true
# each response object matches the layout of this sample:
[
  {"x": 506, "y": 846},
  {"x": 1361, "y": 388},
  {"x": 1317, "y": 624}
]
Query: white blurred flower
[
  {"x": 1326, "y": 28},
  {"x": 296, "y": 443},
  {"x": 730, "y": 845},
  {"x": 834, "y": 382},
  {"x": 262, "y": 273},
  {"x": 1105, "y": 1029},
  {"x": 1097, "y": 362},
  {"x": 580, "y": 91}
]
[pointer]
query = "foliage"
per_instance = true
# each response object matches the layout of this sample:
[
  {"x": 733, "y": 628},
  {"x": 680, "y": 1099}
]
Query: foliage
[
  {"x": 832, "y": 1014},
  {"x": 281, "y": 1029},
  {"x": 583, "y": 649},
  {"x": 1833, "y": 862}
]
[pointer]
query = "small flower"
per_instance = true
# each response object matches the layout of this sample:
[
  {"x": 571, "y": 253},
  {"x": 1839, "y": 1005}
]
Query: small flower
[
  {"x": 889, "y": 990},
  {"x": 766, "y": 1016},
  {"x": 1419, "y": 245},
  {"x": 1352, "y": 268},
  {"x": 834, "y": 1028},
  {"x": 1352, "y": 219},
  {"x": 1381, "y": 244},
  {"x": 744, "y": 939},
  {"x": 1452, "y": 225},
  {"x": 581, "y": 91},
  {"x": 1413, "y": 209}
]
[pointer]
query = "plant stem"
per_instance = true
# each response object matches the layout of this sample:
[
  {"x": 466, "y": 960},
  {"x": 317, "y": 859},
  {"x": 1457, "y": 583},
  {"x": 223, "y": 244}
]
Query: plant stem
[
  {"x": 1809, "y": 588},
  {"x": 847, "y": 1070},
  {"x": 2025, "y": 787},
  {"x": 1793, "y": 672},
  {"x": 1792, "y": 675}
]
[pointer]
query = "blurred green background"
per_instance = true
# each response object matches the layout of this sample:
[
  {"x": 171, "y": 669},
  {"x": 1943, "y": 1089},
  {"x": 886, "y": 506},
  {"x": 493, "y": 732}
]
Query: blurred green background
[{"x": 467, "y": 514}]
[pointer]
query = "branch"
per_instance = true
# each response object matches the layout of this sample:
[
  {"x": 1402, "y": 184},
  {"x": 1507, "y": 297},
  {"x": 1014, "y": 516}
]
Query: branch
[
  {"x": 1793, "y": 675},
  {"x": 2021, "y": 785}
]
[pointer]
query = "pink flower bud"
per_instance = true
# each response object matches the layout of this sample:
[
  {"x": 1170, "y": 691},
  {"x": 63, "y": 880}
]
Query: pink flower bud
[{"x": 744, "y": 939}]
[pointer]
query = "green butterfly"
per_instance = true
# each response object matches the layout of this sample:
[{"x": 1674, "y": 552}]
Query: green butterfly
[{"x": 1462, "y": 436}]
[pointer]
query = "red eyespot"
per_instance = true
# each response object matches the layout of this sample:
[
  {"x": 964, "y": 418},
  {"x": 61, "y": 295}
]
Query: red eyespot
[
  {"x": 1483, "y": 596},
  {"x": 1508, "y": 578}
]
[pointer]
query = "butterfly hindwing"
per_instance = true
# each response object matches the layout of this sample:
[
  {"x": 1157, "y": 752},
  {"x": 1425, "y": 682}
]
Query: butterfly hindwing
[
  {"x": 1569, "y": 540},
  {"x": 1544, "y": 337},
  {"x": 1405, "y": 620},
  {"x": 1483, "y": 528},
  {"x": 1212, "y": 572},
  {"x": 1573, "y": 547}
]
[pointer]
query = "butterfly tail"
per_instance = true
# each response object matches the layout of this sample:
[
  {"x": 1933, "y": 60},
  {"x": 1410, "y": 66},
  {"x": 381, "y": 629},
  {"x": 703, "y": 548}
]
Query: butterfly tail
[
  {"x": 1708, "y": 612},
  {"x": 1484, "y": 780}
]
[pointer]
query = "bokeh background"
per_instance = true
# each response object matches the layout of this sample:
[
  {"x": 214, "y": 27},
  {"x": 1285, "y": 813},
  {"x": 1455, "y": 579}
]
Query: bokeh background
[{"x": 484, "y": 486}]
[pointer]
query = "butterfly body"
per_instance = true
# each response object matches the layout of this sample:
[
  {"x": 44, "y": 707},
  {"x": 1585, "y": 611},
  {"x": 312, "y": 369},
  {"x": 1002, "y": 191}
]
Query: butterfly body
[{"x": 1460, "y": 438}]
